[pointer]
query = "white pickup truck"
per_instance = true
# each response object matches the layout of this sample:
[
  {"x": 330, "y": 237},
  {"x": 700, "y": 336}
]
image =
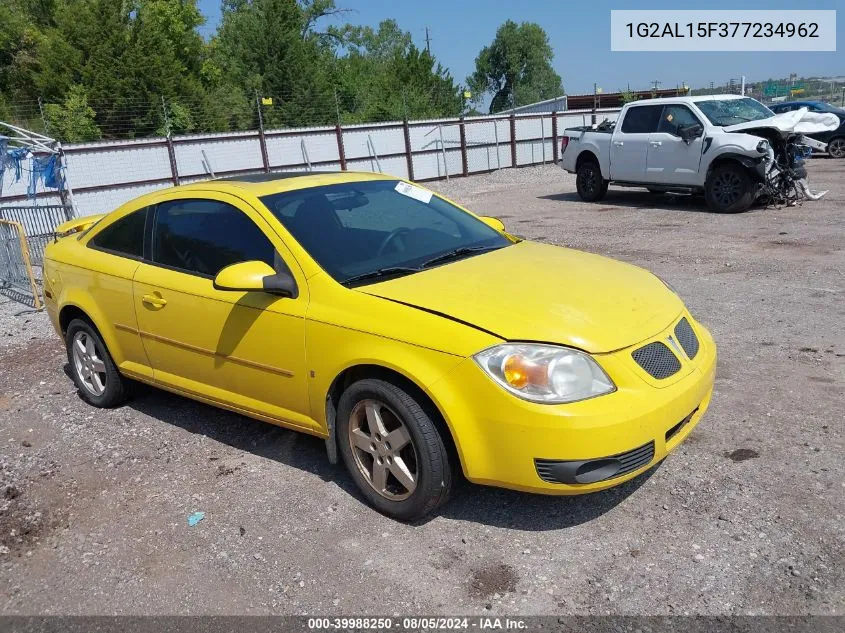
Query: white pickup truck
[{"x": 732, "y": 149}]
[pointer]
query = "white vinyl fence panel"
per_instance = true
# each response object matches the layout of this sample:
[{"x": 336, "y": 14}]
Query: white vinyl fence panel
[{"x": 107, "y": 174}]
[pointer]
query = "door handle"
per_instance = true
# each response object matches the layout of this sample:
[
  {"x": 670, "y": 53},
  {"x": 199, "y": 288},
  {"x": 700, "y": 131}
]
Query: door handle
[
  {"x": 155, "y": 301},
  {"x": 656, "y": 143},
  {"x": 618, "y": 143}
]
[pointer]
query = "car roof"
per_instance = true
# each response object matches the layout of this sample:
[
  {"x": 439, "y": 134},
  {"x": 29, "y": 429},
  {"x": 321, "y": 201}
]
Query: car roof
[
  {"x": 680, "y": 99},
  {"x": 263, "y": 184}
]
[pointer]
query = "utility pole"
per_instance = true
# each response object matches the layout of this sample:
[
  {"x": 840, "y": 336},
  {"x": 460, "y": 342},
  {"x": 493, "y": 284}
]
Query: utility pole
[{"x": 427, "y": 41}]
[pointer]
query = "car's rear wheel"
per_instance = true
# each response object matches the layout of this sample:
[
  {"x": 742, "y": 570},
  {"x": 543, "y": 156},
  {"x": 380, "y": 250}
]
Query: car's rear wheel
[
  {"x": 836, "y": 147},
  {"x": 729, "y": 189},
  {"x": 589, "y": 182},
  {"x": 392, "y": 449},
  {"x": 93, "y": 370}
]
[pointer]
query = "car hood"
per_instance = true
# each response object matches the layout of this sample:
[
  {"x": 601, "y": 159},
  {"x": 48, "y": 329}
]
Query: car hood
[
  {"x": 796, "y": 122},
  {"x": 536, "y": 292}
]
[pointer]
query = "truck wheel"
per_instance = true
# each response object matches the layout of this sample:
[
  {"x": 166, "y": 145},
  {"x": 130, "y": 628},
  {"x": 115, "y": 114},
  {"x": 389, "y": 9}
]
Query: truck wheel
[
  {"x": 591, "y": 186},
  {"x": 729, "y": 189},
  {"x": 836, "y": 147},
  {"x": 392, "y": 449}
]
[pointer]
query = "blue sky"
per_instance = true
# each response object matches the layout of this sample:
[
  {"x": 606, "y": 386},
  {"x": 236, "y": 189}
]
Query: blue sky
[{"x": 579, "y": 31}]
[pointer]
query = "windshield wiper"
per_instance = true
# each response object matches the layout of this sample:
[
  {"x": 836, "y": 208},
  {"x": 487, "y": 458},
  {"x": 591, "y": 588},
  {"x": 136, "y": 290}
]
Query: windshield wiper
[
  {"x": 381, "y": 272},
  {"x": 457, "y": 254}
]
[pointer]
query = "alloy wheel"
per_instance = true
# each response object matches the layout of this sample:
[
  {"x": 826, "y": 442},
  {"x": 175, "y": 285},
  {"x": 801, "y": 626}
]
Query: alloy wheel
[
  {"x": 836, "y": 148},
  {"x": 383, "y": 450},
  {"x": 727, "y": 188},
  {"x": 589, "y": 181},
  {"x": 88, "y": 363}
]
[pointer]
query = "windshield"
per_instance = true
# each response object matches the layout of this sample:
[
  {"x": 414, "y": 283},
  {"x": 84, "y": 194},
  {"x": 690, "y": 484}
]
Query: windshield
[
  {"x": 733, "y": 111},
  {"x": 373, "y": 229}
]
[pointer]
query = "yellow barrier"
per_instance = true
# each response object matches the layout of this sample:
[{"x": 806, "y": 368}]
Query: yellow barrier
[{"x": 15, "y": 263}]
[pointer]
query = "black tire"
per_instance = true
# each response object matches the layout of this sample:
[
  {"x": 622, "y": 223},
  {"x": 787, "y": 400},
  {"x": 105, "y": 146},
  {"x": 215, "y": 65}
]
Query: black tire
[
  {"x": 589, "y": 182},
  {"x": 430, "y": 457},
  {"x": 729, "y": 189},
  {"x": 836, "y": 147},
  {"x": 115, "y": 388}
]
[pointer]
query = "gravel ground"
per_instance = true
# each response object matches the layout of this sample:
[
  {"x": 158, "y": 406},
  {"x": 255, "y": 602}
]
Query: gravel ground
[{"x": 746, "y": 517}]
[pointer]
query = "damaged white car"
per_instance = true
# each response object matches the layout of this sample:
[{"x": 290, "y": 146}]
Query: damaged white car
[{"x": 732, "y": 149}]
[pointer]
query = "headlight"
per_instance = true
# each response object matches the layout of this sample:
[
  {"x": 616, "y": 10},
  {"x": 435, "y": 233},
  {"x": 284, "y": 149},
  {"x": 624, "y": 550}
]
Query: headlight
[
  {"x": 763, "y": 146},
  {"x": 544, "y": 373}
]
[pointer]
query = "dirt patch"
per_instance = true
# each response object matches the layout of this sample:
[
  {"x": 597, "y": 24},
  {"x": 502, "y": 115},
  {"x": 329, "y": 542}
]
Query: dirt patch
[
  {"x": 492, "y": 579},
  {"x": 742, "y": 454}
]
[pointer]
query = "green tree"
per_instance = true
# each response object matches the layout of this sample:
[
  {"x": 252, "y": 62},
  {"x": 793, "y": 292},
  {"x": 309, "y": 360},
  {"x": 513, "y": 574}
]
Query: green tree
[
  {"x": 626, "y": 96},
  {"x": 516, "y": 68},
  {"x": 270, "y": 48},
  {"x": 127, "y": 55},
  {"x": 74, "y": 120},
  {"x": 384, "y": 76},
  {"x": 18, "y": 43}
]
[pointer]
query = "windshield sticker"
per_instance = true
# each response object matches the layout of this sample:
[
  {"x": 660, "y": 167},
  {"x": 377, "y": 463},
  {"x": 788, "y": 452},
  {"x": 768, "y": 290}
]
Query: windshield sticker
[{"x": 407, "y": 189}]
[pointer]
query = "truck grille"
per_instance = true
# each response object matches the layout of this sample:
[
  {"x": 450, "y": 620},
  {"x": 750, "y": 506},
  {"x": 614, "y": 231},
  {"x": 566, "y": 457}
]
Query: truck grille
[
  {"x": 657, "y": 359},
  {"x": 687, "y": 338}
]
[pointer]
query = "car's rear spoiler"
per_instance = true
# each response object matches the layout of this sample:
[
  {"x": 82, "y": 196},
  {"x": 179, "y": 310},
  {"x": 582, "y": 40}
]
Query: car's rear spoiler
[{"x": 77, "y": 225}]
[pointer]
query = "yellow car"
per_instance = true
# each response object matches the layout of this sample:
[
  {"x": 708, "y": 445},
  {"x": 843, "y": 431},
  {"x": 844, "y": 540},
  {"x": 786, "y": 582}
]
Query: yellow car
[{"x": 415, "y": 337}]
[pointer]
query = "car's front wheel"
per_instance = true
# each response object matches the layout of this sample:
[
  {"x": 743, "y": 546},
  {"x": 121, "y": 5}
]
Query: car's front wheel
[
  {"x": 836, "y": 147},
  {"x": 392, "y": 449},
  {"x": 93, "y": 370},
  {"x": 589, "y": 181},
  {"x": 729, "y": 189}
]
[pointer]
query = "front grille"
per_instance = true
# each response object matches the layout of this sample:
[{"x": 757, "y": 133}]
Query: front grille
[
  {"x": 657, "y": 359},
  {"x": 687, "y": 338},
  {"x": 628, "y": 462}
]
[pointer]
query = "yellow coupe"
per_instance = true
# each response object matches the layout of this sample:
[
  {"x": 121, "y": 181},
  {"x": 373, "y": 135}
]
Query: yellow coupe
[{"x": 415, "y": 337}]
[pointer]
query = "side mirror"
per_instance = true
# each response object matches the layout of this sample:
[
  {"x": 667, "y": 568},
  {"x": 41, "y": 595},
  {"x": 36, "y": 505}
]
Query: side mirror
[
  {"x": 690, "y": 132},
  {"x": 256, "y": 277},
  {"x": 493, "y": 223}
]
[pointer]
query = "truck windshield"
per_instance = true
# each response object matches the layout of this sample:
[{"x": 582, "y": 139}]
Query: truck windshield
[{"x": 733, "y": 111}]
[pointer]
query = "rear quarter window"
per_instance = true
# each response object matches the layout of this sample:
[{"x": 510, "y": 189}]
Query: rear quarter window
[{"x": 124, "y": 237}]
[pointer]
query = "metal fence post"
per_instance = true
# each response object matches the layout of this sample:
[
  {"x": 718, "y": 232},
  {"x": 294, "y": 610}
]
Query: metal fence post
[
  {"x": 543, "y": 137},
  {"x": 555, "y": 148},
  {"x": 262, "y": 140},
  {"x": 341, "y": 153},
  {"x": 409, "y": 156},
  {"x": 443, "y": 150},
  {"x": 464, "y": 158},
  {"x": 171, "y": 154},
  {"x": 513, "y": 140}
]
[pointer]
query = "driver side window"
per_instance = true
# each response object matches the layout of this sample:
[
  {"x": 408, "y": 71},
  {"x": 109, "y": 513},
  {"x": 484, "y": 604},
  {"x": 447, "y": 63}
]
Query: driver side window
[
  {"x": 201, "y": 237},
  {"x": 675, "y": 117}
]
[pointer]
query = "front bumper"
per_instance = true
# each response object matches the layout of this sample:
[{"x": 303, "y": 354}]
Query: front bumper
[{"x": 508, "y": 442}]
